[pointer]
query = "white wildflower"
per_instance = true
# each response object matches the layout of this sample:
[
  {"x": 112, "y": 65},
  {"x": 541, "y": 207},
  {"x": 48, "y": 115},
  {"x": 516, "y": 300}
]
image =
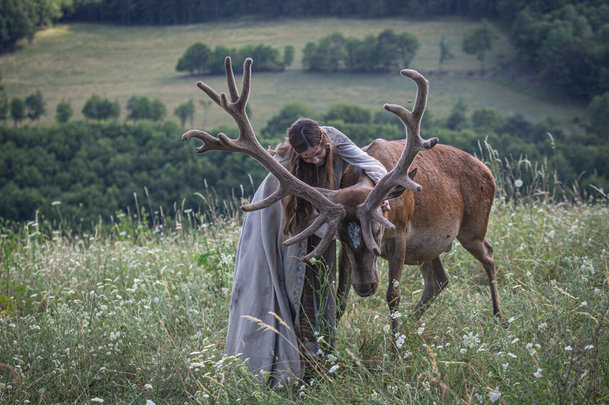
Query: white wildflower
[
  {"x": 333, "y": 368},
  {"x": 512, "y": 319},
  {"x": 597, "y": 291},
  {"x": 516, "y": 340},
  {"x": 463, "y": 351},
  {"x": 400, "y": 341},
  {"x": 149, "y": 402},
  {"x": 512, "y": 355},
  {"x": 505, "y": 366},
  {"x": 569, "y": 348},
  {"x": 583, "y": 304},
  {"x": 331, "y": 358},
  {"x": 407, "y": 354},
  {"x": 479, "y": 397},
  {"x": 537, "y": 374},
  {"x": 551, "y": 234},
  {"x": 589, "y": 347},
  {"x": 420, "y": 331},
  {"x": 470, "y": 340},
  {"x": 101, "y": 401},
  {"x": 395, "y": 283},
  {"x": 396, "y": 315},
  {"x": 148, "y": 386},
  {"x": 518, "y": 183},
  {"x": 494, "y": 395},
  {"x": 542, "y": 326}
]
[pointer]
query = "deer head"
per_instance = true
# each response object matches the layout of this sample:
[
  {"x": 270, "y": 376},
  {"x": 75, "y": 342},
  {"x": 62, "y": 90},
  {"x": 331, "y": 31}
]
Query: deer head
[{"x": 352, "y": 213}]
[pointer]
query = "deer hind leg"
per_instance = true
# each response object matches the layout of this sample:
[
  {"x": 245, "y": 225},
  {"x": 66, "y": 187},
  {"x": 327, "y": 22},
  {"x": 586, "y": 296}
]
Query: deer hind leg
[
  {"x": 483, "y": 252},
  {"x": 434, "y": 281}
]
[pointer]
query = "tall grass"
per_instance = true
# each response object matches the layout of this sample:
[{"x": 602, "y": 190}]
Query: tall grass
[{"x": 136, "y": 311}]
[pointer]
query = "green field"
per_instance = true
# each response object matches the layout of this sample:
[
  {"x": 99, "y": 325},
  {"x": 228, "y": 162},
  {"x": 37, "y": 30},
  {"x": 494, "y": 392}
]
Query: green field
[
  {"x": 130, "y": 315},
  {"x": 71, "y": 62}
]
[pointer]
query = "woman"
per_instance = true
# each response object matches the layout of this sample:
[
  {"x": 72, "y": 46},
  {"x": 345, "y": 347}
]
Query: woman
[{"x": 273, "y": 317}]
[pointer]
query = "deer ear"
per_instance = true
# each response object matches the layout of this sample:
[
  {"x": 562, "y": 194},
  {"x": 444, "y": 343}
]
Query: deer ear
[{"x": 412, "y": 173}]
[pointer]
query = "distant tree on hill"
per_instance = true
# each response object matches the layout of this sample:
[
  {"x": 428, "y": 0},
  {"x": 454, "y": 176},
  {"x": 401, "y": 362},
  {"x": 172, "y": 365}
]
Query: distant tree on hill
[
  {"x": 196, "y": 59},
  {"x": 97, "y": 108},
  {"x": 351, "y": 113},
  {"x": 387, "y": 51},
  {"x": 63, "y": 112},
  {"x": 279, "y": 123},
  {"x": 35, "y": 106},
  {"x": 457, "y": 118},
  {"x": 479, "y": 41},
  {"x": 288, "y": 55},
  {"x": 17, "y": 110},
  {"x": 185, "y": 112},
  {"x": 141, "y": 107}
]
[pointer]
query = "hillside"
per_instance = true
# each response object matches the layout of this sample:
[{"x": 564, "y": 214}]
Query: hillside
[{"x": 72, "y": 62}]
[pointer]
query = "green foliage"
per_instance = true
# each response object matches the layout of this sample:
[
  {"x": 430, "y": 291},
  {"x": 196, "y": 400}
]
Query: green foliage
[
  {"x": 196, "y": 59},
  {"x": 387, "y": 51},
  {"x": 35, "y": 106},
  {"x": 92, "y": 170},
  {"x": 479, "y": 41},
  {"x": 21, "y": 18},
  {"x": 151, "y": 305},
  {"x": 288, "y": 55},
  {"x": 598, "y": 111},
  {"x": 199, "y": 58},
  {"x": 141, "y": 107},
  {"x": 350, "y": 113},
  {"x": 486, "y": 119},
  {"x": 280, "y": 122},
  {"x": 97, "y": 108},
  {"x": 17, "y": 110},
  {"x": 185, "y": 112},
  {"x": 63, "y": 112},
  {"x": 568, "y": 45}
]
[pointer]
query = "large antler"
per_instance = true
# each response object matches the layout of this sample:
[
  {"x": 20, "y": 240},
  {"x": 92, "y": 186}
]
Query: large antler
[
  {"x": 329, "y": 212},
  {"x": 398, "y": 177}
]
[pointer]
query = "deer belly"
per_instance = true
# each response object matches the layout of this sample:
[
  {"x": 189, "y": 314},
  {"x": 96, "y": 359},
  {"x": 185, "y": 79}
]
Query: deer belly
[{"x": 423, "y": 245}]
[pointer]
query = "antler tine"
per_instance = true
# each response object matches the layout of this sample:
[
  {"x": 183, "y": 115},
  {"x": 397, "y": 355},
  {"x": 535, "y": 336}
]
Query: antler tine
[
  {"x": 247, "y": 143},
  {"x": 398, "y": 177}
]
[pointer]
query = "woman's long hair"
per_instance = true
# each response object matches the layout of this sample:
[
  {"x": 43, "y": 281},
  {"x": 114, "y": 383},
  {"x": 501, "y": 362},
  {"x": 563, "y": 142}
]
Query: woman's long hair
[{"x": 302, "y": 135}]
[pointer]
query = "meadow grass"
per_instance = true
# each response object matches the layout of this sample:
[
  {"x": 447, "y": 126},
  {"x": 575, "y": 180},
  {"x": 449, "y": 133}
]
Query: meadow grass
[
  {"x": 71, "y": 62},
  {"x": 132, "y": 312}
]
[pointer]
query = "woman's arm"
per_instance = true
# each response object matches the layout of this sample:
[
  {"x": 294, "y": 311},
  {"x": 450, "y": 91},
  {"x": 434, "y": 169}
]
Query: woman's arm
[{"x": 352, "y": 154}]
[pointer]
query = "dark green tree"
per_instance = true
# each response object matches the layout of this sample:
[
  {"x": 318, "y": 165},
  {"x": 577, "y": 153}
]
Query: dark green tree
[
  {"x": 350, "y": 113},
  {"x": 457, "y": 118},
  {"x": 97, "y": 108},
  {"x": 185, "y": 112},
  {"x": 288, "y": 55},
  {"x": 17, "y": 110},
  {"x": 141, "y": 107},
  {"x": 279, "y": 123},
  {"x": 196, "y": 59},
  {"x": 479, "y": 41},
  {"x": 35, "y": 106},
  {"x": 486, "y": 119},
  {"x": 63, "y": 112}
]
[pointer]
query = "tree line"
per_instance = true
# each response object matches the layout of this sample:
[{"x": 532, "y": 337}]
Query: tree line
[{"x": 79, "y": 171}]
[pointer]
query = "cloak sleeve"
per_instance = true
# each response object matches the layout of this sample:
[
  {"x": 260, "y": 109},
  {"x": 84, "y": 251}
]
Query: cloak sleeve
[{"x": 353, "y": 155}]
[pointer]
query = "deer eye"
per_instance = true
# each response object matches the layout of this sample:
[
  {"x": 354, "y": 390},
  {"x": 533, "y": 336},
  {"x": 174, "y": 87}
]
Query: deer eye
[{"x": 355, "y": 233}]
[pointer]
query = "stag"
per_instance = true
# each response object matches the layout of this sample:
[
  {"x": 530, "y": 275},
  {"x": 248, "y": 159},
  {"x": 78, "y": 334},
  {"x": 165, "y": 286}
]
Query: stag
[{"x": 453, "y": 200}]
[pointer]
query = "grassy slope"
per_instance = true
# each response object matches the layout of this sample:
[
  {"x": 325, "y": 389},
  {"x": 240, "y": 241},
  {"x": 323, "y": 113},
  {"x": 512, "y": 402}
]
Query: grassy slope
[
  {"x": 126, "y": 318},
  {"x": 71, "y": 62}
]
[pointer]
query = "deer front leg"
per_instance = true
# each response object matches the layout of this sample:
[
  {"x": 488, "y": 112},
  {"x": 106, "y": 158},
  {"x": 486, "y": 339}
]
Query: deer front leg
[
  {"x": 434, "y": 281},
  {"x": 344, "y": 282},
  {"x": 396, "y": 266}
]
